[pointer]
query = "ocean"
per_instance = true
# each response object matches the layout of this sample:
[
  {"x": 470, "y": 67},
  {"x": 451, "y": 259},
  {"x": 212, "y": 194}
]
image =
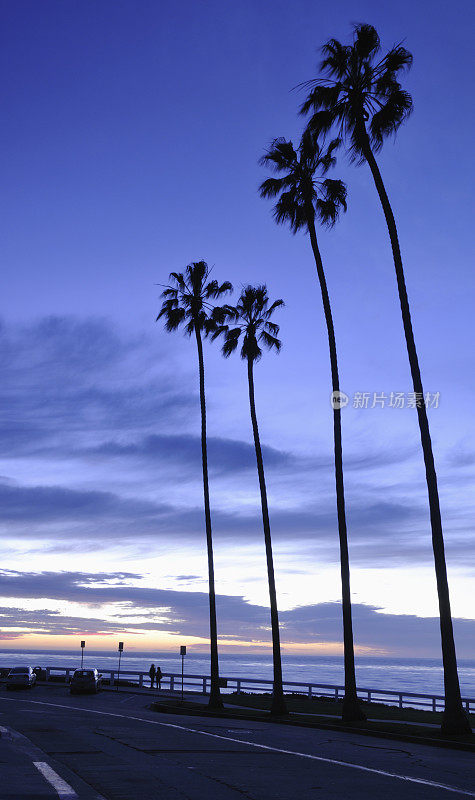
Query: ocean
[{"x": 396, "y": 674}]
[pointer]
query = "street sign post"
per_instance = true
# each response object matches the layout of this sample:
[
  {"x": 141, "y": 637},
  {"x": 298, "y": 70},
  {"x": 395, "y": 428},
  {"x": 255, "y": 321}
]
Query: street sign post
[
  {"x": 121, "y": 648},
  {"x": 83, "y": 645},
  {"x": 183, "y": 654}
]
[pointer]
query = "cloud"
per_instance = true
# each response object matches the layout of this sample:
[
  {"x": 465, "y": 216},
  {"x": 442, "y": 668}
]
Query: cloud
[
  {"x": 145, "y": 608},
  {"x": 225, "y": 455},
  {"x": 124, "y": 413},
  {"x": 381, "y": 532},
  {"x": 65, "y": 380},
  {"x": 42, "y": 504}
]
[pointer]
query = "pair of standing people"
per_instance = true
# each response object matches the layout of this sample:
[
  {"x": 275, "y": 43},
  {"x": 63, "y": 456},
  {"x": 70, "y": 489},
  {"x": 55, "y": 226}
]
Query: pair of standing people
[{"x": 155, "y": 676}]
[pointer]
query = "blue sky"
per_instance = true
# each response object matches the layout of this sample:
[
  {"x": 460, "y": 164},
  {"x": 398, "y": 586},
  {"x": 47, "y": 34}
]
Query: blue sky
[{"x": 130, "y": 143}]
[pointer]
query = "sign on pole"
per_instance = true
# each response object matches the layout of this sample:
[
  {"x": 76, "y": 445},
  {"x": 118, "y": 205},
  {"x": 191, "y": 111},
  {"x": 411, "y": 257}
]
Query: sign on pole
[
  {"x": 121, "y": 648},
  {"x": 183, "y": 654}
]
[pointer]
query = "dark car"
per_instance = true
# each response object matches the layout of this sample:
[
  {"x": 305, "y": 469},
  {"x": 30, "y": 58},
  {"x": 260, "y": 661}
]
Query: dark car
[
  {"x": 85, "y": 680},
  {"x": 21, "y": 678}
]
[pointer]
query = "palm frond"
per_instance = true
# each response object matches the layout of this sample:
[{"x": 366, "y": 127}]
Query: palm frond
[
  {"x": 211, "y": 289},
  {"x": 280, "y": 156},
  {"x": 398, "y": 58},
  {"x": 288, "y": 210},
  {"x": 178, "y": 277},
  {"x": 271, "y": 342},
  {"x": 218, "y": 330},
  {"x": 336, "y": 58},
  {"x": 222, "y": 313},
  {"x": 335, "y": 190},
  {"x": 224, "y": 288},
  {"x": 272, "y": 328},
  {"x": 366, "y": 41},
  {"x": 231, "y": 341},
  {"x": 174, "y": 318},
  {"x": 322, "y": 98},
  {"x": 276, "y": 304},
  {"x": 387, "y": 120},
  {"x": 271, "y": 187}
]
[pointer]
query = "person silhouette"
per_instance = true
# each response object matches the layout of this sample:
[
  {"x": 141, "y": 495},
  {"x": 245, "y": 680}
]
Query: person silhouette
[
  {"x": 158, "y": 677},
  {"x": 151, "y": 672}
]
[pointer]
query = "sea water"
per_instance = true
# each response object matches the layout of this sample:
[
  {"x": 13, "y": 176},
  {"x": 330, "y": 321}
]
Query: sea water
[{"x": 395, "y": 674}]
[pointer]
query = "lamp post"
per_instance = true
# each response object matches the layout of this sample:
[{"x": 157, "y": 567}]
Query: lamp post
[
  {"x": 83, "y": 645},
  {"x": 121, "y": 647},
  {"x": 183, "y": 654}
]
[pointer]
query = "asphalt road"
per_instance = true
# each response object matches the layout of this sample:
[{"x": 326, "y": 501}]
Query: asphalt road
[{"x": 111, "y": 746}]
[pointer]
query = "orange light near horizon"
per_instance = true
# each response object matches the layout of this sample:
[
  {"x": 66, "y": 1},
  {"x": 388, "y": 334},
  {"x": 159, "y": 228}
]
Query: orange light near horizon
[{"x": 169, "y": 642}]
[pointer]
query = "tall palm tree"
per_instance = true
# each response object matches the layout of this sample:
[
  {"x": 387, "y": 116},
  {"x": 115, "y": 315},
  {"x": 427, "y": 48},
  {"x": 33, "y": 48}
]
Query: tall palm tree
[
  {"x": 187, "y": 302},
  {"x": 359, "y": 93},
  {"x": 251, "y": 319},
  {"x": 306, "y": 194}
]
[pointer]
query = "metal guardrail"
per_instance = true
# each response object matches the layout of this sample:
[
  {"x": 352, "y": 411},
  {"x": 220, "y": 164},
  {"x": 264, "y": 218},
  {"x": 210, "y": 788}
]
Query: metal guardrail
[{"x": 201, "y": 683}]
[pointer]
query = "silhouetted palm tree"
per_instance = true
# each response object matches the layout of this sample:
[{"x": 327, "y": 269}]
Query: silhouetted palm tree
[
  {"x": 186, "y": 302},
  {"x": 251, "y": 318},
  {"x": 305, "y": 193},
  {"x": 359, "y": 93}
]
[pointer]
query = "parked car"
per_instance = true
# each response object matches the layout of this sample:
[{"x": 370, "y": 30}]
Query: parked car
[
  {"x": 85, "y": 680},
  {"x": 21, "y": 678}
]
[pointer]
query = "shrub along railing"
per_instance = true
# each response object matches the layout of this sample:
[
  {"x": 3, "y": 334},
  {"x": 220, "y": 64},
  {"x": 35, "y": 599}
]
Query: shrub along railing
[{"x": 171, "y": 681}]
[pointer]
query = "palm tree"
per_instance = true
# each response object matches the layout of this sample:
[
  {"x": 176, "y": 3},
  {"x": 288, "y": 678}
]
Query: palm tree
[
  {"x": 252, "y": 319},
  {"x": 359, "y": 93},
  {"x": 305, "y": 193},
  {"x": 186, "y": 302}
]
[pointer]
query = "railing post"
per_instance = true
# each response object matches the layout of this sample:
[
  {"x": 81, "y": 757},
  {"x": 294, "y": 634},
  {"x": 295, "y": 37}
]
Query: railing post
[
  {"x": 111, "y": 679},
  {"x": 434, "y": 704},
  {"x": 400, "y": 701},
  {"x": 336, "y": 692},
  {"x": 172, "y": 683},
  {"x": 141, "y": 680},
  {"x": 204, "y": 685},
  {"x": 369, "y": 696},
  {"x": 310, "y": 690},
  {"x": 238, "y": 687},
  {"x": 47, "y": 674}
]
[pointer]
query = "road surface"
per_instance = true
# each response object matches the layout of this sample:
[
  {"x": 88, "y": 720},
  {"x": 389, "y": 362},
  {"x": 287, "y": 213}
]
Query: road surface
[{"x": 112, "y": 746}]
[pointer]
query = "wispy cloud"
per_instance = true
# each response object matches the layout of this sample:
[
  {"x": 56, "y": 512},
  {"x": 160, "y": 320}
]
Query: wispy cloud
[{"x": 144, "y": 608}]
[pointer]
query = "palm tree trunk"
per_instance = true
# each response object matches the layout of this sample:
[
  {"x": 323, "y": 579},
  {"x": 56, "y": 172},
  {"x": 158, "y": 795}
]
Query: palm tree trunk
[
  {"x": 351, "y": 707},
  {"x": 278, "y": 702},
  {"x": 215, "y": 695},
  {"x": 454, "y": 718}
]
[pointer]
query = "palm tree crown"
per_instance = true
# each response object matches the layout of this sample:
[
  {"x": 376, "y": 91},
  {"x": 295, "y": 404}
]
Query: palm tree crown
[
  {"x": 188, "y": 300},
  {"x": 358, "y": 87},
  {"x": 303, "y": 189},
  {"x": 252, "y": 317}
]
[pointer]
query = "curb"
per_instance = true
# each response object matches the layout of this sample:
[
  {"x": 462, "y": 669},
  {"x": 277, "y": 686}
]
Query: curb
[{"x": 449, "y": 744}]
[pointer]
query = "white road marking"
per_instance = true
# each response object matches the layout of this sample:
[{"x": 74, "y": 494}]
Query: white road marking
[
  {"x": 126, "y": 700},
  {"x": 348, "y": 764},
  {"x": 63, "y": 789}
]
